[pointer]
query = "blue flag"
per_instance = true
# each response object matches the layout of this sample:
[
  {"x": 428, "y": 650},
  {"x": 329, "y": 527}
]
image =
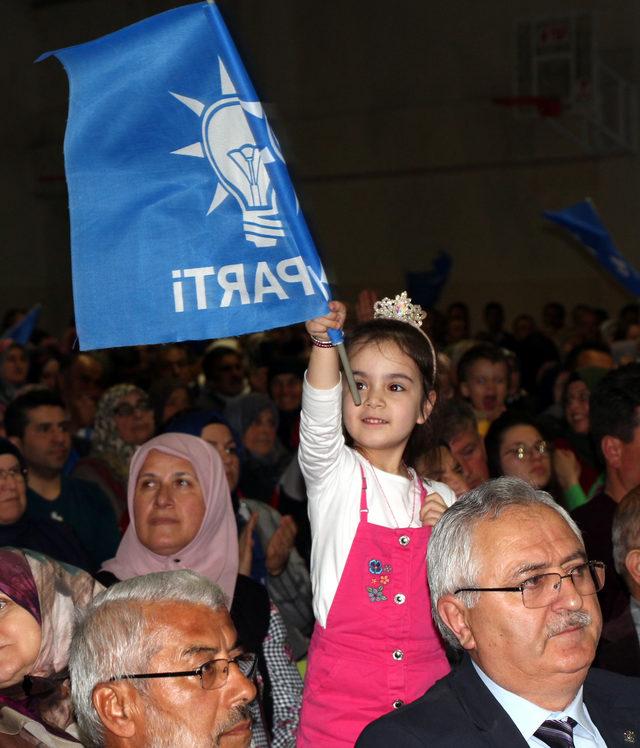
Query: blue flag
[
  {"x": 425, "y": 287},
  {"x": 584, "y": 223},
  {"x": 184, "y": 222},
  {"x": 21, "y": 332}
]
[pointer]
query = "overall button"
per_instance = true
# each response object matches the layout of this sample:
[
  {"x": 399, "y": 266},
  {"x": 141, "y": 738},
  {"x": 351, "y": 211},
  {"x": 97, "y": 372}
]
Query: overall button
[
  {"x": 399, "y": 598},
  {"x": 398, "y": 703},
  {"x": 397, "y": 654},
  {"x": 404, "y": 540}
]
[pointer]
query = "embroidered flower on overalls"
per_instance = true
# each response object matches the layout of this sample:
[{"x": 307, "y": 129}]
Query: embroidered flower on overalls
[
  {"x": 375, "y": 566},
  {"x": 384, "y": 579},
  {"x": 376, "y": 594},
  {"x": 387, "y": 568}
]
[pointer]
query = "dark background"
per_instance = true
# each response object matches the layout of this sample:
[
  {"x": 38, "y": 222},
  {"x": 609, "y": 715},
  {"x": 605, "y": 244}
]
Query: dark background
[{"x": 386, "y": 116}]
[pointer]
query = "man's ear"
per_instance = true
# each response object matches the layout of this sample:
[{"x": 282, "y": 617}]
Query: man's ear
[
  {"x": 116, "y": 708},
  {"x": 454, "y": 614},
  {"x": 632, "y": 562},
  {"x": 611, "y": 448},
  {"x": 464, "y": 390},
  {"x": 427, "y": 407}
]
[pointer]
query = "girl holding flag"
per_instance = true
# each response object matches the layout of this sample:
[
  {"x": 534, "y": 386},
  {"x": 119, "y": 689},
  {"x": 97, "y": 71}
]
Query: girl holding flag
[{"x": 374, "y": 646}]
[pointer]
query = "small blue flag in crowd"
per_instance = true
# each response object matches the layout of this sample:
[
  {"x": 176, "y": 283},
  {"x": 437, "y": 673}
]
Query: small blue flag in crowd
[
  {"x": 184, "y": 222},
  {"x": 425, "y": 287},
  {"x": 21, "y": 331},
  {"x": 585, "y": 224}
]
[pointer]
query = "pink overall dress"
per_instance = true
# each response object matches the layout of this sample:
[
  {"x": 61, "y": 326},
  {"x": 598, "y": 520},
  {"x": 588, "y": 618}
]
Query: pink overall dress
[{"x": 380, "y": 649}]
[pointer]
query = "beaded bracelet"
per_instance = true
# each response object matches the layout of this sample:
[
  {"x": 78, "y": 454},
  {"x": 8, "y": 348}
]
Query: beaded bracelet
[{"x": 320, "y": 343}]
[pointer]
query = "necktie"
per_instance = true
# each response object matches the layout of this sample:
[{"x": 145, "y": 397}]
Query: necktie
[{"x": 556, "y": 733}]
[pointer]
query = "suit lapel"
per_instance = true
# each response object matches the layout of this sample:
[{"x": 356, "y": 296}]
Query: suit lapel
[
  {"x": 604, "y": 720},
  {"x": 490, "y": 718},
  {"x": 618, "y": 725},
  {"x": 616, "y": 719}
]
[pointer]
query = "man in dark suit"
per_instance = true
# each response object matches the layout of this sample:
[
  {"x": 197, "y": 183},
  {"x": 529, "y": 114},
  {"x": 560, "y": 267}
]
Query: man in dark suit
[
  {"x": 511, "y": 586},
  {"x": 619, "y": 648}
]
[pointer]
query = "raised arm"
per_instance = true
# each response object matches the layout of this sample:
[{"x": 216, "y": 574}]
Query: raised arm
[{"x": 324, "y": 370}]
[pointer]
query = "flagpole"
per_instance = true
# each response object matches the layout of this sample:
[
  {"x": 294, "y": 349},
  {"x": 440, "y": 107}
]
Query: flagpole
[
  {"x": 348, "y": 372},
  {"x": 337, "y": 338}
]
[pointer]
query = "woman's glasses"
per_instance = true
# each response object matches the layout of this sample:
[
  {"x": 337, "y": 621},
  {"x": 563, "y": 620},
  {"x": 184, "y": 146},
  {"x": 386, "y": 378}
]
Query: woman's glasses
[
  {"x": 15, "y": 473},
  {"x": 523, "y": 452}
]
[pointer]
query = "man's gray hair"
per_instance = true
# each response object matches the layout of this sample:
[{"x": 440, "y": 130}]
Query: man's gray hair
[
  {"x": 625, "y": 531},
  {"x": 113, "y": 637},
  {"x": 450, "y": 559}
]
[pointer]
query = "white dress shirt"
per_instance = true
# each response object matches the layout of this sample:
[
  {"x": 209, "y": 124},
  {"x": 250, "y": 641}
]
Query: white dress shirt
[{"x": 528, "y": 716}]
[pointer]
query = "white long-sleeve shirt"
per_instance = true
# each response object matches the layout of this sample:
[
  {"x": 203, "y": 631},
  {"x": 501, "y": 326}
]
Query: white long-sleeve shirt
[{"x": 334, "y": 482}]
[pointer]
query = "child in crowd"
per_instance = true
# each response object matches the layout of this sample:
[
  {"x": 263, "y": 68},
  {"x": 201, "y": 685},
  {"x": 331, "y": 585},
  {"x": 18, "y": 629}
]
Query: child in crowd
[
  {"x": 438, "y": 464},
  {"x": 374, "y": 646},
  {"x": 483, "y": 379}
]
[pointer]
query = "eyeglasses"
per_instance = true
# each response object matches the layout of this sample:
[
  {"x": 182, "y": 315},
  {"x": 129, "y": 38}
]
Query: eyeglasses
[
  {"x": 523, "y": 452},
  {"x": 213, "y": 673},
  {"x": 544, "y": 589},
  {"x": 126, "y": 409},
  {"x": 17, "y": 473}
]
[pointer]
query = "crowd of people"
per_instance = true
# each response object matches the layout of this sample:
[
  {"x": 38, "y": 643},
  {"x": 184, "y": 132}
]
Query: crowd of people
[{"x": 245, "y": 550}]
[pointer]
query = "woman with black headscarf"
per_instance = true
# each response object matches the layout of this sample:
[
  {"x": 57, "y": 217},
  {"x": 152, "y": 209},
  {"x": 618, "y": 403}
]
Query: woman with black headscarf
[{"x": 255, "y": 418}]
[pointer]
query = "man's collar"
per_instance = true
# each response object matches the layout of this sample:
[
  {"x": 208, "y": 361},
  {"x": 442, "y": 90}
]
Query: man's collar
[{"x": 528, "y": 716}]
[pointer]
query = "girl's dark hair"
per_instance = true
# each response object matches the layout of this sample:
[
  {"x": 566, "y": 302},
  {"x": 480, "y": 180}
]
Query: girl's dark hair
[
  {"x": 493, "y": 442},
  {"x": 495, "y": 435},
  {"x": 412, "y": 342}
]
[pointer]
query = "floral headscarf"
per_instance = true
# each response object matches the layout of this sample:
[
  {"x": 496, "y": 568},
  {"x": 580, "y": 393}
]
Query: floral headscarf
[
  {"x": 50, "y": 591},
  {"x": 106, "y": 442},
  {"x": 17, "y": 582}
]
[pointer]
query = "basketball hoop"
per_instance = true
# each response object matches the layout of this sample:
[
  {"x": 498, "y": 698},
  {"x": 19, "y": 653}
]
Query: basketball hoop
[{"x": 547, "y": 106}]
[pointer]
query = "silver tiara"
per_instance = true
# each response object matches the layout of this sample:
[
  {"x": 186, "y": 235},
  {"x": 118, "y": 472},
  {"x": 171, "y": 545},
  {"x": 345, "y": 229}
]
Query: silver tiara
[
  {"x": 399, "y": 308},
  {"x": 403, "y": 310}
]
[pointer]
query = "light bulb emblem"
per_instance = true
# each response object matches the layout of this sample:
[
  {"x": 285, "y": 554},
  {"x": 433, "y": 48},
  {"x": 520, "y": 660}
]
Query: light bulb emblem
[{"x": 238, "y": 161}]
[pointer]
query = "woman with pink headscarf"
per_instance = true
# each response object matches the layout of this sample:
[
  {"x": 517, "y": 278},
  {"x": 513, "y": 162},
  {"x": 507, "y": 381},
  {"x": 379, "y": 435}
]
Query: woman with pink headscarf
[
  {"x": 38, "y": 597},
  {"x": 182, "y": 518},
  {"x": 181, "y": 513}
]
